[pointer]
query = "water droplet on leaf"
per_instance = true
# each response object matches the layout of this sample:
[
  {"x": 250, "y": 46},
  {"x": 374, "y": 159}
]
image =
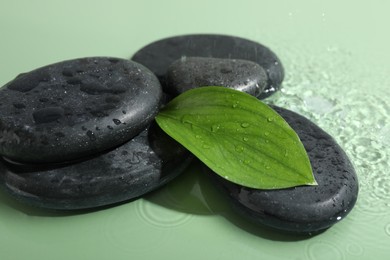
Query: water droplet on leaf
[
  {"x": 244, "y": 125},
  {"x": 206, "y": 146},
  {"x": 186, "y": 120},
  {"x": 215, "y": 128},
  {"x": 239, "y": 148}
]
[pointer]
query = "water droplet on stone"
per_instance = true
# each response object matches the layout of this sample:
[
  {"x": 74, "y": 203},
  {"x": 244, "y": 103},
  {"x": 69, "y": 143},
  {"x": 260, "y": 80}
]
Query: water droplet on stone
[
  {"x": 226, "y": 70},
  {"x": 97, "y": 89},
  {"x": 19, "y": 105},
  {"x": 74, "y": 81},
  {"x": 67, "y": 72},
  {"x": 59, "y": 134},
  {"x": 116, "y": 121},
  {"x": 91, "y": 135},
  {"x": 43, "y": 100},
  {"x": 47, "y": 115},
  {"x": 112, "y": 99},
  {"x": 113, "y": 60}
]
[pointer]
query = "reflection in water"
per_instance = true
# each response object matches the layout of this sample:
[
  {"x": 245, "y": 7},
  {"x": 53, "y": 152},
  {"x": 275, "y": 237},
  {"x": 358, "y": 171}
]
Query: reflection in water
[
  {"x": 191, "y": 193},
  {"x": 194, "y": 193}
]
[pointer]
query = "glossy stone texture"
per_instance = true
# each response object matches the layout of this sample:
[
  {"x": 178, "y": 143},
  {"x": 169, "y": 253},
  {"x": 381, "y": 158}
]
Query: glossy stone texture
[
  {"x": 191, "y": 72},
  {"x": 141, "y": 165},
  {"x": 304, "y": 208},
  {"x": 75, "y": 108},
  {"x": 159, "y": 55}
]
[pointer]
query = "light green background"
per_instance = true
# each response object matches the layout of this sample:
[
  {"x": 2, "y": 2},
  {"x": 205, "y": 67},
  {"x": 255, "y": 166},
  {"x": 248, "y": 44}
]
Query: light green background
[{"x": 337, "y": 60}]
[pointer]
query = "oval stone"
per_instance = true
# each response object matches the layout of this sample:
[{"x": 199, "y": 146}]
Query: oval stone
[
  {"x": 301, "y": 209},
  {"x": 159, "y": 55},
  {"x": 76, "y": 108},
  {"x": 191, "y": 72},
  {"x": 141, "y": 165}
]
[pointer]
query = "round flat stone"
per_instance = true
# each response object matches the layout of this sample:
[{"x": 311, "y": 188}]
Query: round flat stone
[
  {"x": 192, "y": 72},
  {"x": 141, "y": 165},
  {"x": 159, "y": 55},
  {"x": 304, "y": 208},
  {"x": 75, "y": 108}
]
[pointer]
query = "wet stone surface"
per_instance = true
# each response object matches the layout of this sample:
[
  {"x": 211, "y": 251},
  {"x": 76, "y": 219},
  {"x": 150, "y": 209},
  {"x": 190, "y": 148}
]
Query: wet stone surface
[
  {"x": 305, "y": 208},
  {"x": 141, "y": 165},
  {"x": 75, "y": 108},
  {"x": 159, "y": 55},
  {"x": 191, "y": 72}
]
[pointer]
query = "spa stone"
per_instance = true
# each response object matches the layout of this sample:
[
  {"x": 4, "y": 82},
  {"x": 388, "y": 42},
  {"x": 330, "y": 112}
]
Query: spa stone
[
  {"x": 76, "y": 108},
  {"x": 159, "y": 55},
  {"x": 302, "y": 209},
  {"x": 191, "y": 72},
  {"x": 141, "y": 165}
]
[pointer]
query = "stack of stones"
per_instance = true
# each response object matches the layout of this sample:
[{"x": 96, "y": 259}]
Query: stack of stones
[{"x": 80, "y": 133}]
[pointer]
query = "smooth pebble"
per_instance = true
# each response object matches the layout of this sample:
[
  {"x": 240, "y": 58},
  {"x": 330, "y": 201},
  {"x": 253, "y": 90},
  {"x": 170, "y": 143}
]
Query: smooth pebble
[
  {"x": 192, "y": 72},
  {"x": 159, "y": 55},
  {"x": 76, "y": 108},
  {"x": 148, "y": 161},
  {"x": 302, "y": 209}
]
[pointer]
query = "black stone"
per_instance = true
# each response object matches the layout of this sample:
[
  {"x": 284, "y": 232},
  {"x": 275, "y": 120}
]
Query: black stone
[
  {"x": 159, "y": 55},
  {"x": 301, "y": 209},
  {"x": 192, "y": 72},
  {"x": 52, "y": 114},
  {"x": 141, "y": 165}
]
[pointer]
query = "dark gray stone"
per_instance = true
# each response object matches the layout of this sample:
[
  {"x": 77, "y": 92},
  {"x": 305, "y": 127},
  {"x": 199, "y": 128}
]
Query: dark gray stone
[
  {"x": 305, "y": 208},
  {"x": 159, "y": 55},
  {"x": 76, "y": 108},
  {"x": 141, "y": 165},
  {"x": 191, "y": 72}
]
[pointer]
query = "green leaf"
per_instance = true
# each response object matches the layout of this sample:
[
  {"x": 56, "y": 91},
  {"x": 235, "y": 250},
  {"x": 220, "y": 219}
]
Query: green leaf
[{"x": 238, "y": 137}]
